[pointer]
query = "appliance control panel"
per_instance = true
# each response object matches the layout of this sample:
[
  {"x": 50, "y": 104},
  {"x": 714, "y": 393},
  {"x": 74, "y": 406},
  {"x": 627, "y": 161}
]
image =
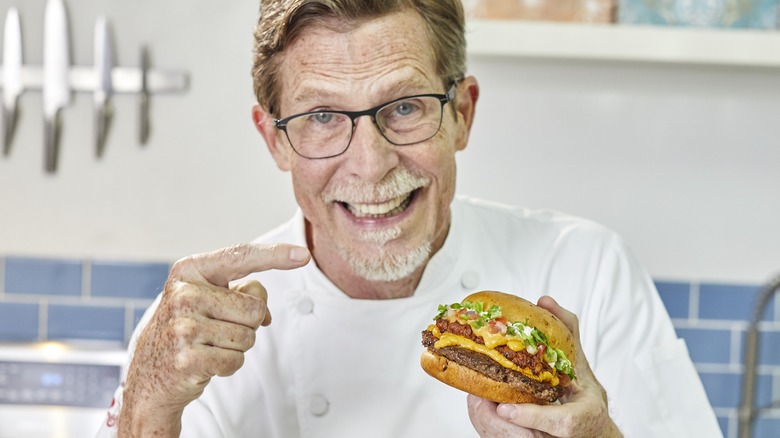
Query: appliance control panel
[{"x": 61, "y": 384}]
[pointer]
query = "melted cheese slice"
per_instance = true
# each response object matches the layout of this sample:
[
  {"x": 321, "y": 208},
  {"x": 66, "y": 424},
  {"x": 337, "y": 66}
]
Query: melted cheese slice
[{"x": 491, "y": 342}]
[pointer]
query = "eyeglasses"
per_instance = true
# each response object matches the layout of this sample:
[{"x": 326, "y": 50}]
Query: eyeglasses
[{"x": 404, "y": 121}]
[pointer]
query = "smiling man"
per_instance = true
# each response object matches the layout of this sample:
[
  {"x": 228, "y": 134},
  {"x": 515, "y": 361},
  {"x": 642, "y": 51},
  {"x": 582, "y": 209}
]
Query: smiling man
[
  {"x": 374, "y": 186},
  {"x": 366, "y": 104}
]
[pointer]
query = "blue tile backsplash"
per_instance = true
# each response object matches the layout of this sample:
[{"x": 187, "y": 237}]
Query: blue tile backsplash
[
  {"x": 729, "y": 302},
  {"x": 129, "y": 280},
  {"x": 43, "y": 277},
  {"x": 676, "y": 297},
  {"x": 77, "y": 299},
  {"x": 45, "y": 299},
  {"x": 18, "y": 322},
  {"x": 68, "y": 321}
]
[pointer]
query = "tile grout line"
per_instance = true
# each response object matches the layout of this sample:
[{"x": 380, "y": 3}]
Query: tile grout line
[
  {"x": 693, "y": 302},
  {"x": 73, "y": 300},
  {"x": 129, "y": 313},
  {"x": 736, "y": 345},
  {"x": 777, "y": 308},
  {"x": 43, "y": 320},
  {"x": 2, "y": 277},
  {"x": 86, "y": 279},
  {"x": 775, "y": 392},
  {"x": 733, "y": 424}
]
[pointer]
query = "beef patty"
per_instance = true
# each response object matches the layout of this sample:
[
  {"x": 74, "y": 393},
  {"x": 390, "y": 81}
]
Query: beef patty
[{"x": 492, "y": 369}]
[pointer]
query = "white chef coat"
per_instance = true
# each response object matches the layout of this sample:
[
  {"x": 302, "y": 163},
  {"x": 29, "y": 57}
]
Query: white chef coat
[{"x": 332, "y": 366}]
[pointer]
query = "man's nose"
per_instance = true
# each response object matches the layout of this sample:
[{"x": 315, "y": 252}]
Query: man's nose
[{"x": 370, "y": 155}]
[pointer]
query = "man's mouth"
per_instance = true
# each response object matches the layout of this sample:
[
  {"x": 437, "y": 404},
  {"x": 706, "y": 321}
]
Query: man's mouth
[{"x": 380, "y": 210}]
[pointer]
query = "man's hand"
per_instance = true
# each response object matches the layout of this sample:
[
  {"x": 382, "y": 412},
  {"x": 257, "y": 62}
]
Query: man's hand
[
  {"x": 582, "y": 413},
  {"x": 201, "y": 329}
]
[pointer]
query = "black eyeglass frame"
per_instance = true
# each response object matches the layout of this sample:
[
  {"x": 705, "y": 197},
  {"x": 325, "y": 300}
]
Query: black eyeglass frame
[{"x": 444, "y": 99}]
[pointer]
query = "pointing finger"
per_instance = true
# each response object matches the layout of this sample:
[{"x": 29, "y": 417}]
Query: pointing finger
[{"x": 221, "y": 266}]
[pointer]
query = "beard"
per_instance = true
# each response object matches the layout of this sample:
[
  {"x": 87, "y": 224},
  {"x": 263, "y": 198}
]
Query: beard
[
  {"x": 384, "y": 264},
  {"x": 380, "y": 259}
]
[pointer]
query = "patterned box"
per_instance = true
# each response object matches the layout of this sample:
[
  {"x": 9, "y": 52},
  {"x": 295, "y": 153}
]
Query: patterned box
[
  {"x": 592, "y": 11},
  {"x": 756, "y": 14}
]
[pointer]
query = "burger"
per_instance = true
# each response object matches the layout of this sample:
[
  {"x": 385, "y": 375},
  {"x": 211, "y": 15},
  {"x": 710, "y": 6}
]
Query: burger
[{"x": 500, "y": 347}]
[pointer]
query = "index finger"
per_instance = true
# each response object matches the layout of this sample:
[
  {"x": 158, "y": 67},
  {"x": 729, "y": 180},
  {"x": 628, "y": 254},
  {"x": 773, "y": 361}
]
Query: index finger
[
  {"x": 222, "y": 266},
  {"x": 568, "y": 318}
]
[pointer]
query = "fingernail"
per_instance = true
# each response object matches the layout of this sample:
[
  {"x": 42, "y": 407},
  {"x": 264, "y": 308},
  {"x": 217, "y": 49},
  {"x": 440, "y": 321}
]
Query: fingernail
[
  {"x": 507, "y": 411},
  {"x": 298, "y": 254}
]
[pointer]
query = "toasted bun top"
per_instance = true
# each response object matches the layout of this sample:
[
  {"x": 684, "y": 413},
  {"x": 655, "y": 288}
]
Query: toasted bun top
[{"x": 517, "y": 309}]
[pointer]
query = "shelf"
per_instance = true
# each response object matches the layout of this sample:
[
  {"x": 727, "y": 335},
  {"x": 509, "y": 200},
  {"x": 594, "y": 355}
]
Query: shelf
[{"x": 614, "y": 42}]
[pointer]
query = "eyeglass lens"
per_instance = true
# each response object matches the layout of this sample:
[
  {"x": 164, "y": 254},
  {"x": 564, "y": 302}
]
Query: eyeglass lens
[{"x": 403, "y": 122}]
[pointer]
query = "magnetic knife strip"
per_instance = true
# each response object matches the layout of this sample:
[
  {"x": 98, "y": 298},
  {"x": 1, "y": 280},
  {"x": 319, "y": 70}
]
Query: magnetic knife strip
[{"x": 102, "y": 79}]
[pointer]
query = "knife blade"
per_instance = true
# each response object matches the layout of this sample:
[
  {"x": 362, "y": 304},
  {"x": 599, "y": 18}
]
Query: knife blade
[
  {"x": 103, "y": 59},
  {"x": 143, "y": 97},
  {"x": 56, "y": 86},
  {"x": 12, "y": 76}
]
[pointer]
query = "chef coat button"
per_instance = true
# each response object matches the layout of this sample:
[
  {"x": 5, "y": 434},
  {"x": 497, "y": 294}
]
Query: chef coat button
[
  {"x": 318, "y": 405},
  {"x": 469, "y": 280},
  {"x": 305, "y": 306}
]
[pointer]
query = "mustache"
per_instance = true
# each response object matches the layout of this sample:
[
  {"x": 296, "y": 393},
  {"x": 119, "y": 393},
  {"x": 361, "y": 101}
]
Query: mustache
[{"x": 397, "y": 183}]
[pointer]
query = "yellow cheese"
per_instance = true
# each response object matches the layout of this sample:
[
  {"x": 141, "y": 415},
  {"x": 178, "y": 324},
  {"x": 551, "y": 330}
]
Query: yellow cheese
[{"x": 450, "y": 339}]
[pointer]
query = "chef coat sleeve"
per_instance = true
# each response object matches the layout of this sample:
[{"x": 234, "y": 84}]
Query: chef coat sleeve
[
  {"x": 201, "y": 418},
  {"x": 653, "y": 387}
]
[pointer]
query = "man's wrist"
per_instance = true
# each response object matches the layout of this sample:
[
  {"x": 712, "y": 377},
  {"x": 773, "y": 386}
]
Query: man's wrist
[
  {"x": 131, "y": 424},
  {"x": 139, "y": 418}
]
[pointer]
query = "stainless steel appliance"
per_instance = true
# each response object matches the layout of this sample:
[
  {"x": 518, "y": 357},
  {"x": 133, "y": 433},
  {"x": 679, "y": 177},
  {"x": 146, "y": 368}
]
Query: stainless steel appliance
[{"x": 57, "y": 390}]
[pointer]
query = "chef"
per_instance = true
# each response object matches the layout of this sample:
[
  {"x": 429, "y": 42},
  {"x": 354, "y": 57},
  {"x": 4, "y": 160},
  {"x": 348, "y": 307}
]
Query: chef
[{"x": 313, "y": 329}]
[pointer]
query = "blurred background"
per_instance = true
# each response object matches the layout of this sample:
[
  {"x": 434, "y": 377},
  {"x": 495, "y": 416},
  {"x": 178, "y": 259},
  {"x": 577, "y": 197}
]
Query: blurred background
[{"x": 657, "y": 118}]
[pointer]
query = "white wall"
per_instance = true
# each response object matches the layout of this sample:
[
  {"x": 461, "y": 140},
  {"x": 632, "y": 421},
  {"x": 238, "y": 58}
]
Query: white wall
[
  {"x": 683, "y": 162},
  {"x": 204, "y": 180}
]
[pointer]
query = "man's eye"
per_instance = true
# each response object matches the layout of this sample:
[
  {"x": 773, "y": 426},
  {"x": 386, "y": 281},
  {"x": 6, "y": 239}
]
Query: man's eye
[
  {"x": 405, "y": 108},
  {"x": 323, "y": 117}
]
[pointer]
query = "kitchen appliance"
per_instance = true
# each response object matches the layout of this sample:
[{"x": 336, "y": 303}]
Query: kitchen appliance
[{"x": 57, "y": 390}]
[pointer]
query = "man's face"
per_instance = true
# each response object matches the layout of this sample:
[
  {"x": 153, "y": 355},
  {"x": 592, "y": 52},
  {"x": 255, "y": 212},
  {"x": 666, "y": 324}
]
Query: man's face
[{"x": 378, "y": 210}]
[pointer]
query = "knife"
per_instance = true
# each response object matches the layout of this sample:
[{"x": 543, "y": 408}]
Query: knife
[
  {"x": 12, "y": 76},
  {"x": 144, "y": 96},
  {"x": 103, "y": 66},
  {"x": 56, "y": 87}
]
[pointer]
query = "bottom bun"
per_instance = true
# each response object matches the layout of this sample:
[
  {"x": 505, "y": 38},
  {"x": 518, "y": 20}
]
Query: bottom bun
[{"x": 474, "y": 382}]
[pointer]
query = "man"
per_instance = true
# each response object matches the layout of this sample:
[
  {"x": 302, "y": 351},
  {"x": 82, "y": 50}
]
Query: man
[{"x": 366, "y": 103}]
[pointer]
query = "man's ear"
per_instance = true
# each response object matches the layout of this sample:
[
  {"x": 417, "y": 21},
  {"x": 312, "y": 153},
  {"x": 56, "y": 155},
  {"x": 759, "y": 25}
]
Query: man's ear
[
  {"x": 466, "y": 102},
  {"x": 264, "y": 123}
]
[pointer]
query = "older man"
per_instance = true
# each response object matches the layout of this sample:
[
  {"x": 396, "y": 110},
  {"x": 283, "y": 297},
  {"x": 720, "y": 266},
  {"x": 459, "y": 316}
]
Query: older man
[{"x": 366, "y": 104}]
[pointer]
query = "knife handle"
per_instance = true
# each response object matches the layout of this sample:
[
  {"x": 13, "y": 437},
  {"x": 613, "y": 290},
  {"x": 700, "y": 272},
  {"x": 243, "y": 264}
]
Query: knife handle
[
  {"x": 9, "y": 126},
  {"x": 52, "y": 138}
]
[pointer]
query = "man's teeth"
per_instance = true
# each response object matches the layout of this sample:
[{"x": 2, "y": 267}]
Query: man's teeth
[{"x": 389, "y": 208}]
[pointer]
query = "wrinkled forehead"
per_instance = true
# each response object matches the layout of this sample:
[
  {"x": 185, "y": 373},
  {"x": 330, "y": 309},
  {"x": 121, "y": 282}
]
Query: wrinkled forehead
[{"x": 384, "y": 55}]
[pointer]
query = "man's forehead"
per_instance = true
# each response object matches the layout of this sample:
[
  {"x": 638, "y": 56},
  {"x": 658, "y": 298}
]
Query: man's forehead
[
  {"x": 387, "y": 55},
  {"x": 402, "y": 85}
]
